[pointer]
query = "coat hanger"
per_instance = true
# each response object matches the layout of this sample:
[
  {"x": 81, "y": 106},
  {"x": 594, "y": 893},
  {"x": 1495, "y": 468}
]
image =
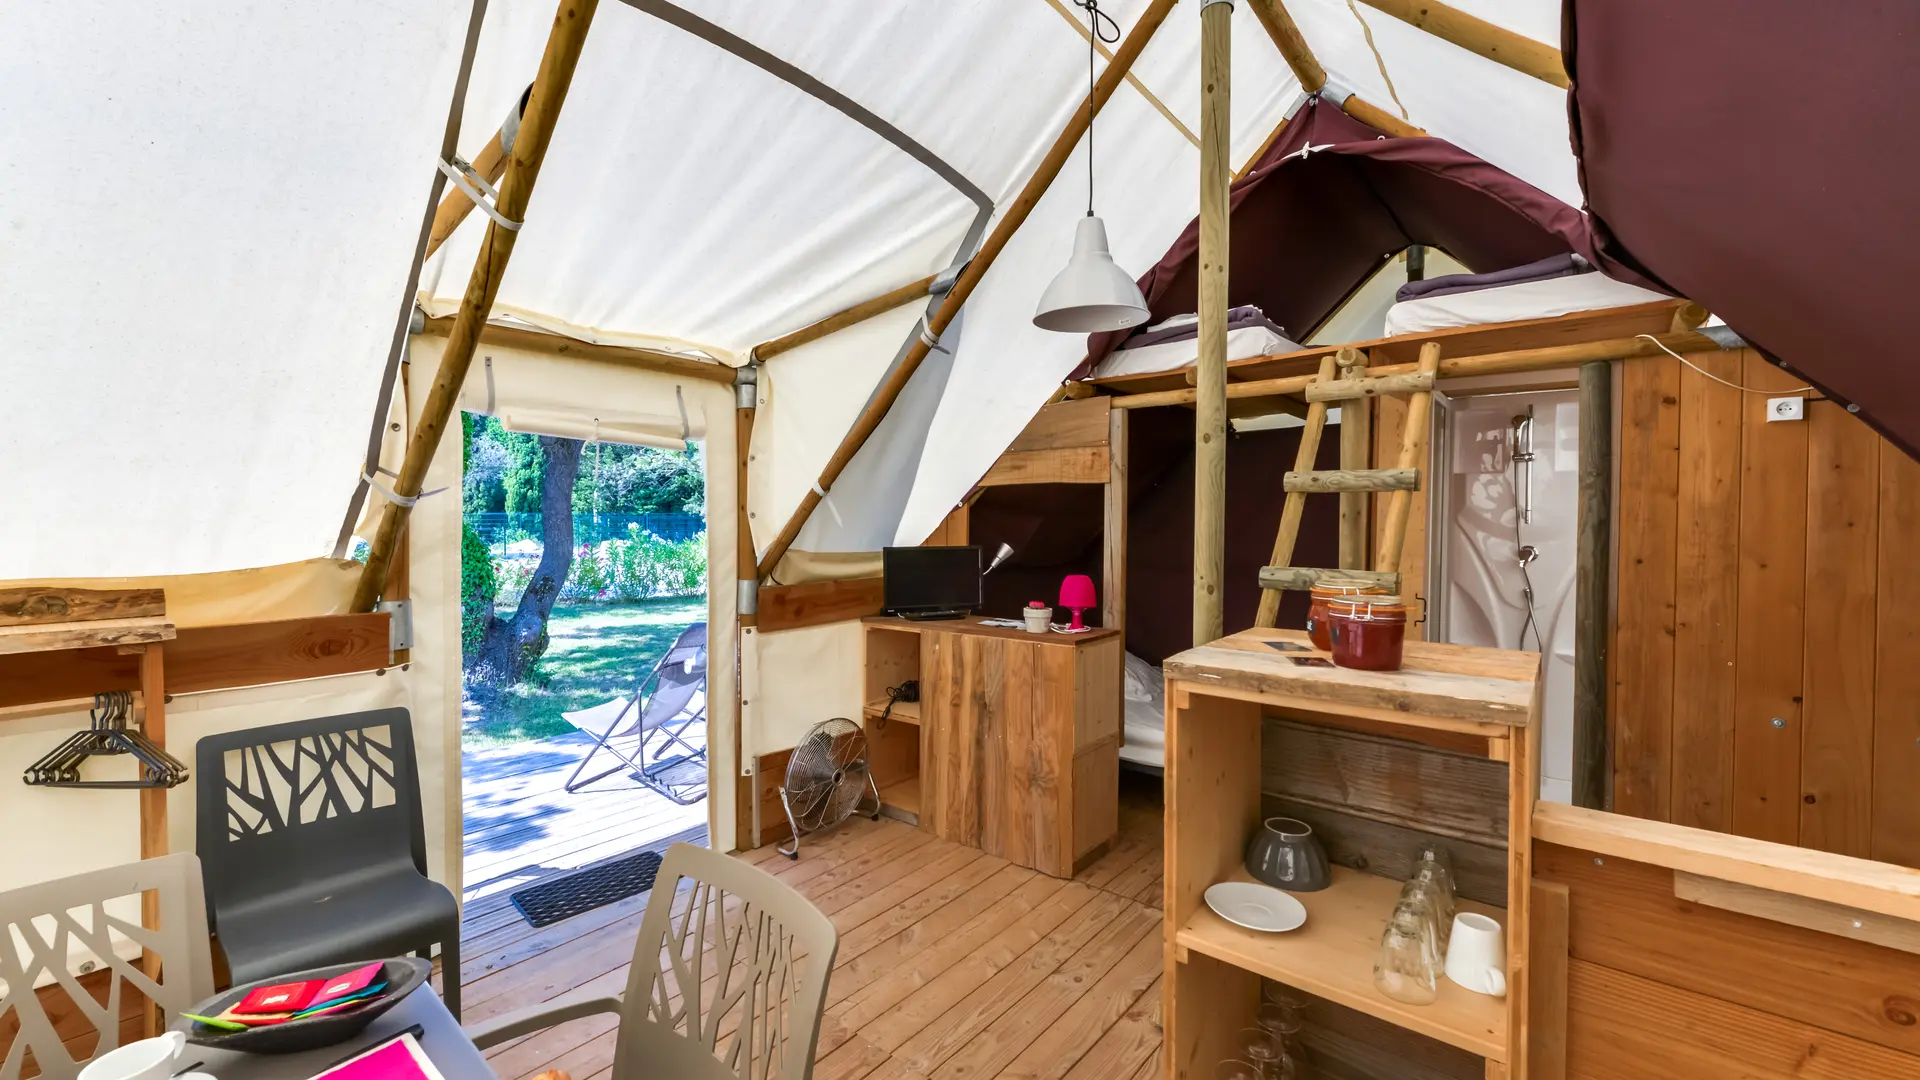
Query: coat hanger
[{"x": 107, "y": 736}]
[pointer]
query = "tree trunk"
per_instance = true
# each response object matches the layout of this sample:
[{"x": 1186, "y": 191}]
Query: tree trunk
[{"x": 510, "y": 647}]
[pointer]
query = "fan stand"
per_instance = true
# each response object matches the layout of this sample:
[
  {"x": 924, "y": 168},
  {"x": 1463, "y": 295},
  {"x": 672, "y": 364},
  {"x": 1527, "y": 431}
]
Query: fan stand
[{"x": 787, "y": 805}]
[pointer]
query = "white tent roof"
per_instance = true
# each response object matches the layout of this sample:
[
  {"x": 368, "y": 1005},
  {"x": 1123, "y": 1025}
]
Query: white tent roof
[{"x": 207, "y": 248}]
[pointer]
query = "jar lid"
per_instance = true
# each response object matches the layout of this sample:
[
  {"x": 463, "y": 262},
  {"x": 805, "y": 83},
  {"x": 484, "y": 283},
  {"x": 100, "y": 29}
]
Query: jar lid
[
  {"x": 1374, "y": 608},
  {"x": 1331, "y": 587}
]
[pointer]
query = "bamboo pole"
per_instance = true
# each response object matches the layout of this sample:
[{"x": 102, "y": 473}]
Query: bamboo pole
[
  {"x": 537, "y": 341},
  {"x": 1476, "y": 35},
  {"x": 490, "y": 162},
  {"x": 562, "y": 54},
  {"x": 1016, "y": 214},
  {"x": 1268, "y": 613},
  {"x": 840, "y": 320},
  {"x": 1413, "y": 444},
  {"x": 1313, "y": 78},
  {"x": 1500, "y": 363},
  {"x": 1592, "y": 569},
  {"x": 1356, "y": 452},
  {"x": 1210, "y": 388}
]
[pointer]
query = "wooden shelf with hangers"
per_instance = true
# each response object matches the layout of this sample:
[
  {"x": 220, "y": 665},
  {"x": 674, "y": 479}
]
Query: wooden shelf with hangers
[{"x": 133, "y": 621}]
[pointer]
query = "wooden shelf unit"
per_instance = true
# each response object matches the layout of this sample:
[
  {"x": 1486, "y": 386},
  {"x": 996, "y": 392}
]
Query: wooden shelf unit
[
  {"x": 907, "y": 712},
  {"x": 1443, "y": 749}
]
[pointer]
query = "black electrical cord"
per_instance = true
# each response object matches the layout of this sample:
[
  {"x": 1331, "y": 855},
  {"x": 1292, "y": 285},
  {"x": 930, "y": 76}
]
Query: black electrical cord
[{"x": 1099, "y": 25}]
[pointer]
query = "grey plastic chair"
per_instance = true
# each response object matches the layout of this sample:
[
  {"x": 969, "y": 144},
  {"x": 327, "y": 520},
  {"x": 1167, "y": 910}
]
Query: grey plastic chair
[
  {"x": 769, "y": 952},
  {"x": 669, "y": 702},
  {"x": 313, "y": 849},
  {"x": 44, "y": 929}
]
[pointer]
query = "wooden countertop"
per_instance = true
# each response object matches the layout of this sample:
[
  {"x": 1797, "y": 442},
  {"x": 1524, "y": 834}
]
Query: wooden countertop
[
  {"x": 1453, "y": 682},
  {"x": 971, "y": 625}
]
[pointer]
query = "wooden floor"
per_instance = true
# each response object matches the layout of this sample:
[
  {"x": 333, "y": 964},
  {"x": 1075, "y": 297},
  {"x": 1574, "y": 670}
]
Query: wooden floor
[{"x": 953, "y": 964}]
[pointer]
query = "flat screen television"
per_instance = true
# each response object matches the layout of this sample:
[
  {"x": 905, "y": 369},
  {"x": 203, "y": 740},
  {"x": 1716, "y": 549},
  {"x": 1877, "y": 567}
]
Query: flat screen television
[{"x": 931, "y": 582}]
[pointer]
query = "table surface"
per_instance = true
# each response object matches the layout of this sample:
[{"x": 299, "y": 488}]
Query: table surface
[{"x": 446, "y": 1045}]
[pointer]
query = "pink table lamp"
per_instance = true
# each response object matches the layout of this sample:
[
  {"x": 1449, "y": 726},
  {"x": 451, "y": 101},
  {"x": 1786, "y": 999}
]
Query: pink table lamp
[{"x": 1076, "y": 593}]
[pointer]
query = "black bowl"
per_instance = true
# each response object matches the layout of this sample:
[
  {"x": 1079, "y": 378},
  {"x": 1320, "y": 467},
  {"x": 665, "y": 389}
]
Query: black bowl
[{"x": 402, "y": 975}]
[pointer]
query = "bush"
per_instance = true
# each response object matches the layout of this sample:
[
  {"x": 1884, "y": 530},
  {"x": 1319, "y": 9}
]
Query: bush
[{"x": 479, "y": 585}]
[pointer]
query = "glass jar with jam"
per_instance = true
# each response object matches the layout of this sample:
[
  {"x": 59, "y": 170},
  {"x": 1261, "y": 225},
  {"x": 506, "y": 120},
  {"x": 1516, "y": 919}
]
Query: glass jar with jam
[
  {"x": 1331, "y": 589},
  {"x": 1368, "y": 633}
]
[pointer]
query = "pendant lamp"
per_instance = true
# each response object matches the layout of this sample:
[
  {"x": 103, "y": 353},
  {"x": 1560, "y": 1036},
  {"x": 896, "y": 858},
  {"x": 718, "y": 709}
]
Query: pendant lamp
[{"x": 1092, "y": 294}]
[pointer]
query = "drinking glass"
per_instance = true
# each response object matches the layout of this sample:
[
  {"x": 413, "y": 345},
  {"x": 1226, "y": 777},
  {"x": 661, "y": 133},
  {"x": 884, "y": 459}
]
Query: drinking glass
[
  {"x": 1237, "y": 1070},
  {"x": 1409, "y": 963},
  {"x": 1265, "y": 1050},
  {"x": 1433, "y": 863},
  {"x": 1434, "y": 904}
]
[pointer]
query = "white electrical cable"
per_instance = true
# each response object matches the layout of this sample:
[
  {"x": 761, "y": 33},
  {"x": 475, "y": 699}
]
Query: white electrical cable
[{"x": 1718, "y": 379}]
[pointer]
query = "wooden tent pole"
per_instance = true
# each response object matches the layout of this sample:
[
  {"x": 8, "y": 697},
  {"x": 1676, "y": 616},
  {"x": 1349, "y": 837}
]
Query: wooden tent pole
[
  {"x": 537, "y": 341},
  {"x": 1593, "y": 563},
  {"x": 1016, "y": 214},
  {"x": 1313, "y": 78},
  {"x": 840, "y": 320},
  {"x": 1459, "y": 367},
  {"x": 1476, "y": 35},
  {"x": 562, "y": 54},
  {"x": 490, "y": 162},
  {"x": 1210, "y": 384}
]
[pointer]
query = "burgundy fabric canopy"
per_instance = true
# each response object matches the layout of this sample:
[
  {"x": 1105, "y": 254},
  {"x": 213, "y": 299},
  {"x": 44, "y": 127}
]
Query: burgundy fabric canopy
[
  {"x": 1758, "y": 157},
  {"x": 1332, "y": 200}
]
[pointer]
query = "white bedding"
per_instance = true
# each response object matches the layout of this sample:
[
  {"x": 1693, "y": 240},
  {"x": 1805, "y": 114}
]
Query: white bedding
[
  {"x": 1174, "y": 355},
  {"x": 1512, "y": 303},
  {"x": 1145, "y": 717}
]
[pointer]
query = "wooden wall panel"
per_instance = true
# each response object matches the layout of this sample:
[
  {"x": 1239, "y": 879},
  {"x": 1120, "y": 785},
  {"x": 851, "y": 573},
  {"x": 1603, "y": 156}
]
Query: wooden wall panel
[
  {"x": 1773, "y": 582},
  {"x": 1764, "y": 570},
  {"x": 1896, "y": 704},
  {"x": 1626, "y": 917},
  {"x": 1621, "y": 1027},
  {"x": 1385, "y": 848},
  {"x": 1706, "y": 607},
  {"x": 1391, "y": 780},
  {"x": 1081, "y": 422},
  {"x": 1641, "y": 705},
  {"x": 816, "y": 603},
  {"x": 1843, "y": 534}
]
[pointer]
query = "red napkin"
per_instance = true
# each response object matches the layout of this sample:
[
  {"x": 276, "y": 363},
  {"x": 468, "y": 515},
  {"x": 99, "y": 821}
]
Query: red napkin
[
  {"x": 351, "y": 983},
  {"x": 279, "y": 998}
]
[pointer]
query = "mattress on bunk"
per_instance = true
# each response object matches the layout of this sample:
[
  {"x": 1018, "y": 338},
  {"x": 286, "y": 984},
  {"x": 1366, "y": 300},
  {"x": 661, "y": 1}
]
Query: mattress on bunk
[
  {"x": 1513, "y": 303},
  {"x": 1145, "y": 714},
  {"x": 1260, "y": 340}
]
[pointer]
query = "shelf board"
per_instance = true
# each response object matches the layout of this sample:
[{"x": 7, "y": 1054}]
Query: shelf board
[
  {"x": 47, "y": 637},
  {"x": 1332, "y": 956},
  {"x": 904, "y": 795},
  {"x": 907, "y": 712}
]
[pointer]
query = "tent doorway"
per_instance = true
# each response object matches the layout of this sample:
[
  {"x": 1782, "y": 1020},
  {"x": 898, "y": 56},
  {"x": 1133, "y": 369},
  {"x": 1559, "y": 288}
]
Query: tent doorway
[{"x": 584, "y": 721}]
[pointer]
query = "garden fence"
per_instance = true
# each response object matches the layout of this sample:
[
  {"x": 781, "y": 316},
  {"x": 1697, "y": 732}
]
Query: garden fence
[{"x": 497, "y": 529}]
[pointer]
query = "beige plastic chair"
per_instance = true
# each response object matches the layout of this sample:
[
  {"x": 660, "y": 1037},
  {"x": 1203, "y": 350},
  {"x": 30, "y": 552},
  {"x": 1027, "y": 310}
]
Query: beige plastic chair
[
  {"x": 46, "y": 929},
  {"x": 762, "y": 952}
]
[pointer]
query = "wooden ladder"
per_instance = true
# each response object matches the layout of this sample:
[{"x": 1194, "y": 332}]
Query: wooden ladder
[{"x": 1353, "y": 484}]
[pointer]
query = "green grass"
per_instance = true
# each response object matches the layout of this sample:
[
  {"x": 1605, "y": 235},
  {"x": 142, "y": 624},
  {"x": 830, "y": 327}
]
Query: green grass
[{"x": 597, "y": 652}]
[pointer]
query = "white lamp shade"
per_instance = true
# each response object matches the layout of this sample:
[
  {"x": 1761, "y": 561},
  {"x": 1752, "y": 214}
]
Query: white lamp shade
[{"x": 1092, "y": 294}]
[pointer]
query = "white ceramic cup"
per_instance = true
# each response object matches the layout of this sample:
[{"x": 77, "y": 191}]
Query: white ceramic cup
[
  {"x": 1476, "y": 954},
  {"x": 148, "y": 1059}
]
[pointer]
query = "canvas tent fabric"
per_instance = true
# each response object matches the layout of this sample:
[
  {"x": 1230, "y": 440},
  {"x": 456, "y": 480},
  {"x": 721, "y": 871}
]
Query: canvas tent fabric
[
  {"x": 1780, "y": 195},
  {"x": 1332, "y": 201}
]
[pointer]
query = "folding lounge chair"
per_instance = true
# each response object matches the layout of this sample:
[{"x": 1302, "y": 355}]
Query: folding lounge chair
[{"x": 663, "y": 717}]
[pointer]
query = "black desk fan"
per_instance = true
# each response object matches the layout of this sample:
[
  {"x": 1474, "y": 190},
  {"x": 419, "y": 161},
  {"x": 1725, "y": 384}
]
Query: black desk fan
[{"x": 108, "y": 736}]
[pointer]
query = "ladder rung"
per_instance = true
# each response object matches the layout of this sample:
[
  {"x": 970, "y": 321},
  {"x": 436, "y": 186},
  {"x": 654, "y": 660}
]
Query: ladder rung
[
  {"x": 1354, "y": 480},
  {"x": 1354, "y": 389},
  {"x": 1301, "y": 578}
]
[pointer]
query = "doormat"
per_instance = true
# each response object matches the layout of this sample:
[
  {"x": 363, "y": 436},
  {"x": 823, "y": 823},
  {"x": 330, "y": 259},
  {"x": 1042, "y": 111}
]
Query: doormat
[{"x": 563, "y": 898}]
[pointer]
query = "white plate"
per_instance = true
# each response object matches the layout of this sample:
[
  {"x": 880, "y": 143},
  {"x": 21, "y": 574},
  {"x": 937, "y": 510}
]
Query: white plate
[{"x": 1256, "y": 907}]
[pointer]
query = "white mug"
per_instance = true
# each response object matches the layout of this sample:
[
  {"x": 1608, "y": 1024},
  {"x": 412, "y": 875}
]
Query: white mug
[
  {"x": 148, "y": 1059},
  {"x": 1476, "y": 955}
]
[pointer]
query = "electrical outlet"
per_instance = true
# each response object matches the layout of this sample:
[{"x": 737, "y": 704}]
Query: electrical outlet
[{"x": 1786, "y": 408}]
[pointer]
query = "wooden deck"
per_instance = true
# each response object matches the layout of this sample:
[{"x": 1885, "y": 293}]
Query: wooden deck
[
  {"x": 522, "y": 825},
  {"x": 953, "y": 964}
]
